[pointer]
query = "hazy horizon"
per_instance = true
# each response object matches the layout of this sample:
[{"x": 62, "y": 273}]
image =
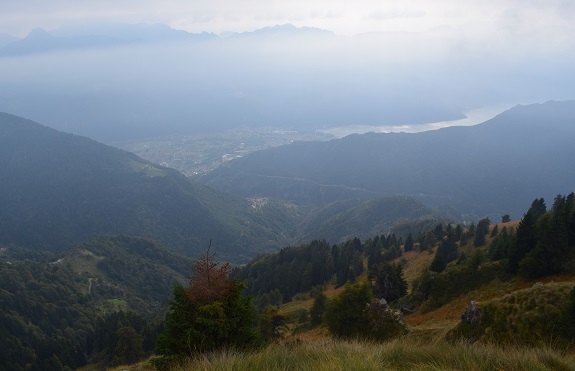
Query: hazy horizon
[{"x": 111, "y": 72}]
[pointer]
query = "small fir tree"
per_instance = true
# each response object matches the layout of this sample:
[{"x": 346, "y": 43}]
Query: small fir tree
[
  {"x": 318, "y": 309},
  {"x": 388, "y": 282},
  {"x": 408, "y": 243},
  {"x": 210, "y": 314}
]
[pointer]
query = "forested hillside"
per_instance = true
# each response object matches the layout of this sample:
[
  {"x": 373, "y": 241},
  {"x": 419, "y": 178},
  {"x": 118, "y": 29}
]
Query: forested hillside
[
  {"x": 59, "y": 189},
  {"x": 492, "y": 168},
  {"x": 68, "y": 309},
  {"x": 104, "y": 301},
  {"x": 343, "y": 220}
]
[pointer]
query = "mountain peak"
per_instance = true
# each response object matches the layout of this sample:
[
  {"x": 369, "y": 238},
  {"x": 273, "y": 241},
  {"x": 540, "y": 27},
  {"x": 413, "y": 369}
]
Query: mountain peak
[{"x": 38, "y": 33}]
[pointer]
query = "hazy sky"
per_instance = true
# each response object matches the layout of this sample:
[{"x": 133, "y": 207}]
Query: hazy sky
[
  {"x": 422, "y": 61},
  {"x": 539, "y": 19}
]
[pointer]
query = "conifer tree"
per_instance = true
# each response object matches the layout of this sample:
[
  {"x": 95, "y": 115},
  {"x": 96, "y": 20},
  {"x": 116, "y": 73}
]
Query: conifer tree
[
  {"x": 408, "y": 243},
  {"x": 318, "y": 309},
  {"x": 457, "y": 232},
  {"x": 570, "y": 219},
  {"x": 211, "y": 313},
  {"x": 129, "y": 348},
  {"x": 501, "y": 245},
  {"x": 526, "y": 238},
  {"x": 495, "y": 231},
  {"x": 480, "y": 232},
  {"x": 446, "y": 253},
  {"x": 388, "y": 282}
]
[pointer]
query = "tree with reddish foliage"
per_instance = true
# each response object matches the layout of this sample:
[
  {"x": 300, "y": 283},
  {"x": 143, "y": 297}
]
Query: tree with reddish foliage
[
  {"x": 209, "y": 281},
  {"x": 210, "y": 314}
]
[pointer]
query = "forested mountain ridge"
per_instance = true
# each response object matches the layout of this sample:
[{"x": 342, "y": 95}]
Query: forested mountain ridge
[
  {"x": 58, "y": 189},
  {"x": 491, "y": 168}
]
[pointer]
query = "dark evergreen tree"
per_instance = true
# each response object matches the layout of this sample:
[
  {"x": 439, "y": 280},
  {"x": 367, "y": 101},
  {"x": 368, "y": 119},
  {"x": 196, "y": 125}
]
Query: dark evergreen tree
[
  {"x": 375, "y": 253},
  {"x": 468, "y": 234},
  {"x": 129, "y": 347},
  {"x": 391, "y": 240},
  {"x": 551, "y": 248},
  {"x": 494, "y": 231},
  {"x": 438, "y": 264},
  {"x": 538, "y": 207},
  {"x": 501, "y": 245},
  {"x": 480, "y": 232},
  {"x": 446, "y": 253},
  {"x": 318, "y": 309},
  {"x": 438, "y": 232},
  {"x": 408, "y": 243},
  {"x": 392, "y": 253},
  {"x": 570, "y": 219},
  {"x": 526, "y": 236},
  {"x": 357, "y": 245},
  {"x": 457, "y": 232},
  {"x": 387, "y": 281},
  {"x": 343, "y": 276},
  {"x": 505, "y": 218},
  {"x": 428, "y": 241},
  {"x": 357, "y": 264}
]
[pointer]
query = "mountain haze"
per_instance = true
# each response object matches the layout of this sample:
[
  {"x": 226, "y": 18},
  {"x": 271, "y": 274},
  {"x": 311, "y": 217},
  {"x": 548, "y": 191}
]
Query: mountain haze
[
  {"x": 491, "y": 168},
  {"x": 59, "y": 189}
]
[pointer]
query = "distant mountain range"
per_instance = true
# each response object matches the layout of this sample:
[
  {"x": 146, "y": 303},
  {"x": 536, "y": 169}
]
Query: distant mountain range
[
  {"x": 489, "y": 169},
  {"x": 59, "y": 189},
  {"x": 111, "y": 35}
]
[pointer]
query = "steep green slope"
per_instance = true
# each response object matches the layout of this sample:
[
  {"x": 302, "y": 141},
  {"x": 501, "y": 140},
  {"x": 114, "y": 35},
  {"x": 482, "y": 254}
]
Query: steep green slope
[
  {"x": 59, "y": 189},
  {"x": 491, "y": 168}
]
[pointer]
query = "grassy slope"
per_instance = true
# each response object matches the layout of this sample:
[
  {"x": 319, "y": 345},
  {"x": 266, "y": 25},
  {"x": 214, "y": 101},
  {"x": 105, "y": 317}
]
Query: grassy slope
[
  {"x": 405, "y": 354},
  {"x": 424, "y": 348}
]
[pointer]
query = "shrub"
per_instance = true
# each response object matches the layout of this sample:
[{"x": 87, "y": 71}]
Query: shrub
[
  {"x": 344, "y": 313},
  {"x": 384, "y": 323},
  {"x": 354, "y": 314},
  {"x": 272, "y": 323}
]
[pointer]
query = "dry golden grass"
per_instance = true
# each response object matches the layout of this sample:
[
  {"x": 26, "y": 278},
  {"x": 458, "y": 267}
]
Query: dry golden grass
[
  {"x": 402, "y": 354},
  {"x": 414, "y": 263}
]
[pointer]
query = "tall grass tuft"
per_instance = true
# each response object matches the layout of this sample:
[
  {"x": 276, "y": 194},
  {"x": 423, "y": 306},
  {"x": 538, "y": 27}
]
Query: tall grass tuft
[{"x": 403, "y": 354}]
